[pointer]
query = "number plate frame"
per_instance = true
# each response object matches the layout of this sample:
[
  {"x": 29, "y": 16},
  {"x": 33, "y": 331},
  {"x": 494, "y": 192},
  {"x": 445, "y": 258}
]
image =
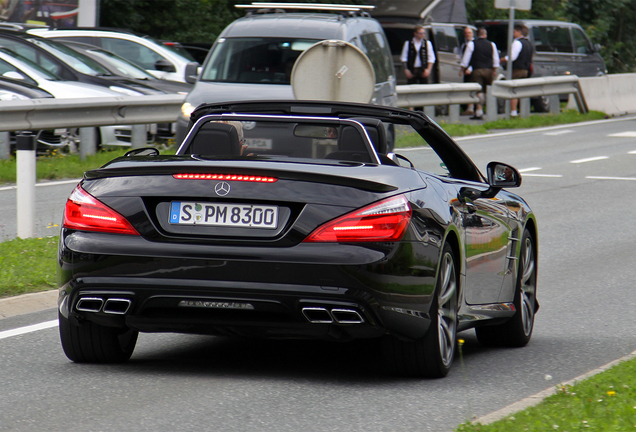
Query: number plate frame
[{"x": 235, "y": 215}]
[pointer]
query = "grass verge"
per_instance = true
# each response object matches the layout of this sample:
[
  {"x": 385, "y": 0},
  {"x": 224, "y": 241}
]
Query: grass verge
[
  {"x": 27, "y": 265},
  {"x": 604, "y": 402}
]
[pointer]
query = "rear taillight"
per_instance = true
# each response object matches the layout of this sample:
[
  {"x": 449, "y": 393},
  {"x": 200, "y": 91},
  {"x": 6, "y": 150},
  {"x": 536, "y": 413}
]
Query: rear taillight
[
  {"x": 86, "y": 213},
  {"x": 386, "y": 220}
]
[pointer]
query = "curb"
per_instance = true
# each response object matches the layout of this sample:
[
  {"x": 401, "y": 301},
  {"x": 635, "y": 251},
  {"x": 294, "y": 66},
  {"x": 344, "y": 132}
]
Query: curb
[
  {"x": 537, "y": 398},
  {"x": 27, "y": 303}
]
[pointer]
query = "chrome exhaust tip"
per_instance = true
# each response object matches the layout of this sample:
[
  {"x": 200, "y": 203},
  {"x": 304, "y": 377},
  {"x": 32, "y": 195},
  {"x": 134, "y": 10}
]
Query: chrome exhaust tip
[
  {"x": 89, "y": 304},
  {"x": 347, "y": 316},
  {"x": 117, "y": 306},
  {"x": 317, "y": 315}
]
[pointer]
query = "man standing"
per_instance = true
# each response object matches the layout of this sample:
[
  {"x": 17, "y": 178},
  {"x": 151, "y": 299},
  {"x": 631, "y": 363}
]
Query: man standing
[
  {"x": 521, "y": 57},
  {"x": 418, "y": 57},
  {"x": 468, "y": 37},
  {"x": 482, "y": 57}
]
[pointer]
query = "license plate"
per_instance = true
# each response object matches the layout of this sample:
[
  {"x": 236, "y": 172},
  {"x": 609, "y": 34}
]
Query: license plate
[
  {"x": 228, "y": 215},
  {"x": 259, "y": 143}
]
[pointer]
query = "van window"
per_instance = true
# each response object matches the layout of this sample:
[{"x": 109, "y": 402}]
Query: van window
[
  {"x": 254, "y": 60},
  {"x": 397, "y": 37},
  {"x": 552, "y": 39},
  {"x": 445, "y": 39},
  {"x": 581, "y": 43},
  {"x": 375, "y": 47}
]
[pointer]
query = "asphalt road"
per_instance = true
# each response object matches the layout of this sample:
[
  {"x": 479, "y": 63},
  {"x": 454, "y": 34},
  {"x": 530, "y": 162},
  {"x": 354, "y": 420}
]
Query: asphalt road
[{"x": 579, "y": 181}]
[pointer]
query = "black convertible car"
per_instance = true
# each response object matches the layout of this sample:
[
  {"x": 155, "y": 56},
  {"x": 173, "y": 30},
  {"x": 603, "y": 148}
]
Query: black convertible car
[{"x": 291, "y": 219}]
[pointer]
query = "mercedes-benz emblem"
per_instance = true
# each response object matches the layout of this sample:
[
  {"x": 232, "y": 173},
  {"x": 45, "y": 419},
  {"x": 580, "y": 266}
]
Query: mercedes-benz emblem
[{"x": 222, "y": 188}]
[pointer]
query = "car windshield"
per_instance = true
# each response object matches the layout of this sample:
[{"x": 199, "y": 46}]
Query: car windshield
[
  {"x": 254, "y": 60},
  {"x": 77, "y": 61},
  {"x": 232, "y": 137},
  {"x": 34, "y": 66},
  {"x": 123, "y": 66}
]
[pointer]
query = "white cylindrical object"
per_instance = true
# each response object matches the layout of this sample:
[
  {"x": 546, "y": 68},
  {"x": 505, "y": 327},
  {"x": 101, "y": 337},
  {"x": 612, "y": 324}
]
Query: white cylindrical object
[{"x": 26, "y": 177}]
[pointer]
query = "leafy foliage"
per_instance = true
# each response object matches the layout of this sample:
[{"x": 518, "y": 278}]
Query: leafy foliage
[{"x": 611, "y": 23}]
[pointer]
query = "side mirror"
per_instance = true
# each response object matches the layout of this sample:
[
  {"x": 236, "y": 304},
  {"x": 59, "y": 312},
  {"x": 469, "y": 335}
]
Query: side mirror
[
  {"x": 597, "y": 47},
  {"x": 192, "y": 72},
  {"x": 164, "y": 65},
  {"x": 501, "y": 175}
]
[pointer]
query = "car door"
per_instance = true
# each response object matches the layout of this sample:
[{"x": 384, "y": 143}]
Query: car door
[
  {"x": 446, "y": 49},
  {"x": 487, "y": 242},
  {"x": 587, "y": 62}
]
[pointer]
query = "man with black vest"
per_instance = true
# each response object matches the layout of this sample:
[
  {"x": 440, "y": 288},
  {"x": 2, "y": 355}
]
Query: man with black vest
[
  {"x": 418, "y": 57},
  {"x": 521, "y": 57},
  {"x": 482, "y": 57}
]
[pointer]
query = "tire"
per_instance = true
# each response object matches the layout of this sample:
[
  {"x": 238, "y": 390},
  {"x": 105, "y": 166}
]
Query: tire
[
  {"x": 517, "y": 331},
  {"x": 92, "y": 343},
  {"x": 432, "y": 355},
  {"x": 541, "y": 104}
]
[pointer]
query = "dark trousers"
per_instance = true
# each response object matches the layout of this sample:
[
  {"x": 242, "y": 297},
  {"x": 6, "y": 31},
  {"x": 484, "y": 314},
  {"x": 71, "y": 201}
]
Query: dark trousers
[{"x": 418, "y": 78}]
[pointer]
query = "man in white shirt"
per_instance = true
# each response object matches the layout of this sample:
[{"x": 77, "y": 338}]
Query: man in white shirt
[
  {"x": 418, "y": 57},
  {"x": 482, "y": 57}
]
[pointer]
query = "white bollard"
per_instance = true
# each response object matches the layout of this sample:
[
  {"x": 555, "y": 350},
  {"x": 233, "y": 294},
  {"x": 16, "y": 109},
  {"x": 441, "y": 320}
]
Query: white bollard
[{"x": 25, "y": 157}]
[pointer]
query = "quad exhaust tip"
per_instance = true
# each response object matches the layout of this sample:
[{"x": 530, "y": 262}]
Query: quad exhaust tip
[
  {"x": 322, "y": 315},
  {"x": 112, "y": 306}
]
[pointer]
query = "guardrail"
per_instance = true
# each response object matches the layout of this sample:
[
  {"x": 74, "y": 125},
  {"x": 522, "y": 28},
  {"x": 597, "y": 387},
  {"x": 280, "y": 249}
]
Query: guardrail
[
  {"x": 526, "y": 88},
  {"x": 453, "y": 94},
  {"x": 84, "y": 113},
  {"x": 430, "y": 95}
]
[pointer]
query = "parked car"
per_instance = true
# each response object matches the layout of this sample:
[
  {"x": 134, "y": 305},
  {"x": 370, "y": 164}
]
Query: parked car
[
  {"x": 21, "y": 70},
  {"x": 254, "y": 55},
  {"x": 314, "y": 232},
  {"x": 158, "y": 59},
  {"x": 560, "y": 48},
  {"x": 68, "y": 64},
  {"x": 444, "y": 22},
  {"x": 119, "y": 66}
]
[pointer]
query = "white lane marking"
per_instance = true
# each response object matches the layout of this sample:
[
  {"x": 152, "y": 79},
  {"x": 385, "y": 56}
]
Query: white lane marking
[
  {"x": 632, "y": 152},
  {"x": 548, "y": 128},
  {"x": 563, "y": 132},
  {"x": 55, "y": 183},
  {"x": 592, "y": 159},
  {"x": 526, "y": 173},
  {"x": 28, "y": 329},
  {"x": 628, "y": 134},
  {"x": 611, "y": 178}
]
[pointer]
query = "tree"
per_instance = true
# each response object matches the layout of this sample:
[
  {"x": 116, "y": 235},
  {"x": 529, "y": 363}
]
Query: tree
[{"x": 177, "y": 20}]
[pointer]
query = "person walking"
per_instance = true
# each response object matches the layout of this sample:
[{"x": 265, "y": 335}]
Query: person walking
[
  {"x": 481, "y": 56},
  {"x": 418, "y": 57},
  {"x": 521, "y": 57}
]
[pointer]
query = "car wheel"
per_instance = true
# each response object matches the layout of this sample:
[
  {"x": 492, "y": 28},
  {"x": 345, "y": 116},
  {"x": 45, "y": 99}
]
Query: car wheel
[
  {"x": 518, "y": 330},
  {"x": 541, "y": 103},
  {"x": 92, "y": 343},
  {"x": 432, "y": 355}
]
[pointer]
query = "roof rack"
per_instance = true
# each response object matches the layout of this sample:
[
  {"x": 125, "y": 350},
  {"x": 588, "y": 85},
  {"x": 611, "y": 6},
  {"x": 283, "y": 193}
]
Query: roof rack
[{"x": 266, "y": 6}]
